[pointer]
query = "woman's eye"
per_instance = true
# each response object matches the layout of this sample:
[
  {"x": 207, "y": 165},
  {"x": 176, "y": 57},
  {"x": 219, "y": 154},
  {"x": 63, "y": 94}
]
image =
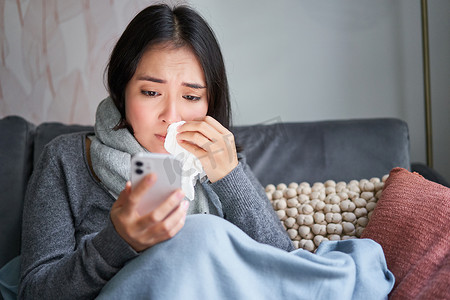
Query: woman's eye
[
  {"x": 150, "y": 93},
  {"x": 191, "y": 98}
]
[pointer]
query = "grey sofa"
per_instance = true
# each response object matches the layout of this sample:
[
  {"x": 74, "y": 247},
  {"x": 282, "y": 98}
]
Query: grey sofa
[{"x": 282, "y": 152}]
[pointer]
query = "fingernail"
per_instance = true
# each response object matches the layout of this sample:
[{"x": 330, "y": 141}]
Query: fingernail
[{"x": 185, "y": 205}]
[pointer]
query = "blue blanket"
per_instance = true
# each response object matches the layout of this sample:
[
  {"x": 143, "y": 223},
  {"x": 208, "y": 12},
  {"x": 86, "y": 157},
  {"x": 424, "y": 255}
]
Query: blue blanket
[{"x": 211, "y": 258}]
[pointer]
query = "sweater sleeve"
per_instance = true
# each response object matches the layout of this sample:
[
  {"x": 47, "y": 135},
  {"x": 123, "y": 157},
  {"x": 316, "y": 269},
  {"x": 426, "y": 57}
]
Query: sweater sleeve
[
  {"x": 55, "y": 265},
  {"x": 245, "y": 204}
]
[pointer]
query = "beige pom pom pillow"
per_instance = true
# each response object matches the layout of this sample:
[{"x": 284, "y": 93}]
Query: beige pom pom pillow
[{"x": 325, "y": 211}]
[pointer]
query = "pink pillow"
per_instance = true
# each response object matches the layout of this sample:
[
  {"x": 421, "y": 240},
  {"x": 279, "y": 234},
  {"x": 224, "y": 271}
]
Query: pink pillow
[{"x": 412, "y": 223}]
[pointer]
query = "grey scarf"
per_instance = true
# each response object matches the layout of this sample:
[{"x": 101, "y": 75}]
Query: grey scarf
[{"x": 111, "y": 150}]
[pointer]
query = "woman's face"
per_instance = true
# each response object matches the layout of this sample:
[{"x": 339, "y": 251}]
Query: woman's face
[{"x": 168, "y": 86}]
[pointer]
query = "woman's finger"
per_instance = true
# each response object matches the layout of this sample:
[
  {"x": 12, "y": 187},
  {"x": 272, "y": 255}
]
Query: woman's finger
[
  {"x": 195, "y": 138},
  {"x": 137, "y": 192},
  {"x": 122, "y": 199},
  {"x": 227, "y": 136},
  {"x": 216, "y": 125},
  {"x": 163, "y": 210},
  {"x": 212, "y": 144},
  {"x": 170, "y": 226},
  {"x": 206, "y": 137},
  {"x": 199, "y": 126}
]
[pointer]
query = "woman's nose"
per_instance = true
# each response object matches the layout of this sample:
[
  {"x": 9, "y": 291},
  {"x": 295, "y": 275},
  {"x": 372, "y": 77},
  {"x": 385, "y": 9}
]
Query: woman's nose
[{"x": 170, "y": 112}]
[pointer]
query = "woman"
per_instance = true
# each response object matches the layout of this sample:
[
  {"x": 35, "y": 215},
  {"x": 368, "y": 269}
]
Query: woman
[{"x": 80, "y": 225}]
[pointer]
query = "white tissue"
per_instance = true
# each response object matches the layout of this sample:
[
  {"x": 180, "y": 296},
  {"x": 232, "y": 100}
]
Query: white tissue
[{"x": 191, "y": 166}]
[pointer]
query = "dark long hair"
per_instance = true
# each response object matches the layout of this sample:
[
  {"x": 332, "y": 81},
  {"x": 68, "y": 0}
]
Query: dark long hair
[{"x": 180, "y": 27}]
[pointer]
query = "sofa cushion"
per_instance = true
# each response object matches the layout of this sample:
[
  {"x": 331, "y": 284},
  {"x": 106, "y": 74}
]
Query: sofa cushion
[
  {"x": 412, "y": 224},
  {"x": 16, "y": 145},
  {"x": 319, "y": 151}
]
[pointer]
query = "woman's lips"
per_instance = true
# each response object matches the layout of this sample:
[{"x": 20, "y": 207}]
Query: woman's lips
[{"x": 160, "y": 137}]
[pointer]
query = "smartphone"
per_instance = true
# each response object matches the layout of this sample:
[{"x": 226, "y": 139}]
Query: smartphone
[{"x": 168, "y": 171}]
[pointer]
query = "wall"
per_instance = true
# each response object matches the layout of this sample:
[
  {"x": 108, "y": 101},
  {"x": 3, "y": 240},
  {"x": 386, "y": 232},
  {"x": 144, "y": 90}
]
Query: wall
[
  {"x": 287, "y": 60},
  {"x": 53, "y": 56},
  {"x": 439, "y": 10}
]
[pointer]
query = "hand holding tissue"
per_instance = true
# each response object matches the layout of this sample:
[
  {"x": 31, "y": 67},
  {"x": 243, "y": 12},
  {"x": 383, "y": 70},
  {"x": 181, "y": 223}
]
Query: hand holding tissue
[{"x": 191, "y": 167}]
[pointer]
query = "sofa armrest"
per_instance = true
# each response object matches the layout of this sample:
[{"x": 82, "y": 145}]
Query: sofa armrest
[
  {"x": 16, "y": 154},
  {"x": 429, "y": 173}
]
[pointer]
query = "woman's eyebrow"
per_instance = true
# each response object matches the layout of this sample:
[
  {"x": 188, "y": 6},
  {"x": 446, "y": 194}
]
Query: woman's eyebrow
[
  {"x": 193, "y": 85},
  {"x": 152, "y": 79},
  {"x": 158, "y": 80}
]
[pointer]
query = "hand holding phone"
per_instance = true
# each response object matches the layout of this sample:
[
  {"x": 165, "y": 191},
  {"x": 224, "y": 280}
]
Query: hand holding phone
[{"x": 168, "y": 171}]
